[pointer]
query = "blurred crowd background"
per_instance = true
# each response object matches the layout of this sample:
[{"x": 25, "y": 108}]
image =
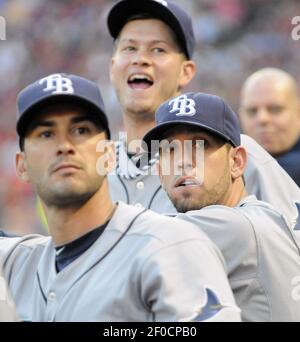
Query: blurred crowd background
[{"x": 234, "y": 38}]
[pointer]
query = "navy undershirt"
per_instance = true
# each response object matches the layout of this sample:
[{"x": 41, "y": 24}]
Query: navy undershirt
[{"x": 68, "y": 253}]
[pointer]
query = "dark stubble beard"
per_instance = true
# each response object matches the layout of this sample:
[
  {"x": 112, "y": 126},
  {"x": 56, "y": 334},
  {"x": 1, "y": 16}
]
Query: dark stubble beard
[
  {"x": 69, "y": 199},
  {"x": 213, "y": 196}
]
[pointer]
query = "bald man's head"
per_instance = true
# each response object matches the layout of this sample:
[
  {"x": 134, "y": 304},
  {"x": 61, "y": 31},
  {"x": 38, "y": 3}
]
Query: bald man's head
[{"x": 270, "y": 109}]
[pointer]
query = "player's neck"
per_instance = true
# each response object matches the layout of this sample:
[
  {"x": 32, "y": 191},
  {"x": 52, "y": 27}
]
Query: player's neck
[
  {"x": 136, "y": 129},
  {"x": 68, "y": 224},
  {"x": 236, "y": 193}
]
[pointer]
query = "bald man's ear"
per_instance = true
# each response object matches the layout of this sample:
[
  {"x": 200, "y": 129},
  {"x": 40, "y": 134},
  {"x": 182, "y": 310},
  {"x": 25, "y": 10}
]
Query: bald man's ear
[
  {"x": 21, "y": 167},
  {"x": 238, "y": 161},
  {"x": 298, "y": 110}
]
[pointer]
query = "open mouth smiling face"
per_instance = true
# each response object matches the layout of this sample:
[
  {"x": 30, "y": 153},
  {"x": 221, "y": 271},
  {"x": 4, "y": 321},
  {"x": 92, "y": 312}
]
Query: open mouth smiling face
[{"x": 140, "y": 81}]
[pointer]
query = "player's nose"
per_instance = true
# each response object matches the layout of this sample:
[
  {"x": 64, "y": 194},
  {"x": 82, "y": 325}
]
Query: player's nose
[
  {"x": 141, "y": 57},
  {"x": 262, "y": 116},
  {"x": 185, "y": 165},
  {"x": 64, "y": 146}
]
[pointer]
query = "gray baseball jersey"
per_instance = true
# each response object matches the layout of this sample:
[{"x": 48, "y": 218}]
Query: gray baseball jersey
[
  {"x": 269, "y": 182},
  {"x": 7, "y": 309},
  {"x": 265, "y": 179},
  {"x": 261, "y": 255},
  {"x": 144, "y": 267},
  {"x": 139, "y": 187}
]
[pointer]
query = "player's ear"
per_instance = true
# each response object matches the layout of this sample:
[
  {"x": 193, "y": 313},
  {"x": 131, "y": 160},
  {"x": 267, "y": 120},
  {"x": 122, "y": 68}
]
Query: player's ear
[
  {"x": 238, "y": 161},
  {"x": 21, "y": 167},
  {"x": 111, "y": 70},
  {"x": 188, "y": 71},
  {"x": 112, "y": 64}
]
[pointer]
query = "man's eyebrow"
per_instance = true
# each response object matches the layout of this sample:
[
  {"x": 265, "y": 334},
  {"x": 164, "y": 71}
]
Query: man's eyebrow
[
  {"x": 157, "y": 41},
  {"x": 50, "y": 123},
  {"x": 80, "y": 118},
  {"x": 127, "y": 40},
  {"x": 133, "y": 41},
  {"x": 40, "y": 123},
  {"x": 92, "y": 119}
]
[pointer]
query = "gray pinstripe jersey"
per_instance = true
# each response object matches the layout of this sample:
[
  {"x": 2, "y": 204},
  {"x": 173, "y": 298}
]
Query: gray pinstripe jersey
[
  {"x": 265, "y": 179},
  {"x": 161, "y": 269},
  {"x": 261, "y": 254},
  {"x": 7, "y": 309}
]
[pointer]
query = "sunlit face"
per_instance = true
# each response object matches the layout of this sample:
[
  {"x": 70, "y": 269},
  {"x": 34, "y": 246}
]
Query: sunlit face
[
  {"x": 188, "y": 191},
  {"x": 147, "y": 67},
  {"x": 59, "y": 157},
  {"x": 270, "y": 114}
]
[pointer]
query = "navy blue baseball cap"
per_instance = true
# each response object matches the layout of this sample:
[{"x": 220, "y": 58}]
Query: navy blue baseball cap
[
  {"x": 59, "y": 88},
  {"x": 174, "y": 16},
  {"x": 208, "y": 112}
]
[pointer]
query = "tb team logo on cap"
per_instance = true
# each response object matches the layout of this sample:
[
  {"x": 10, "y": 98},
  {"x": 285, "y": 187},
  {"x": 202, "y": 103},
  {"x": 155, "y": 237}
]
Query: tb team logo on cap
[
  {"x": 183, "y": 105},
  {"x": 58, "y": 84}
]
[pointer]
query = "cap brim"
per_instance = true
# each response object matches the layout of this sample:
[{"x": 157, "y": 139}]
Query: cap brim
[
  {"x": 123, "y": 10},
  {"x": 156, "y": 133},
  {"x": 26, "y": 117}
]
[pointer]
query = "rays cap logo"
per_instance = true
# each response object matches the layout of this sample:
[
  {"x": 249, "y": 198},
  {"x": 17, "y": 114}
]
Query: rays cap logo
[
  {"x": 56, "y": 89},
  {"x": 171, "y": 14},
  {"x": 57, "y": 84},
  {"x": 183, "y": 106},
  {"x": 206, "y": 111}
]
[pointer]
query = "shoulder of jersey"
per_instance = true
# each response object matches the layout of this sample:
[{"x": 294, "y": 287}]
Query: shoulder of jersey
[
  {"x": 31, "y": 241},
  {"x": 258, "y": 154},
  {"x": 165, "y": 228},
  {"x": 220, "y": 218}
]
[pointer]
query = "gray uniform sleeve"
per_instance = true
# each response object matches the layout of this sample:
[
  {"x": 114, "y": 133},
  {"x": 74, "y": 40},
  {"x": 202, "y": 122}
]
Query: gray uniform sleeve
[
  {"x": 8, "y": 245},
  {"x": 7, "y": 308},
  {"x": 269, "y": 182},
  {"x": 231, "y": 233},
  {"x": 187, "y": 282}
]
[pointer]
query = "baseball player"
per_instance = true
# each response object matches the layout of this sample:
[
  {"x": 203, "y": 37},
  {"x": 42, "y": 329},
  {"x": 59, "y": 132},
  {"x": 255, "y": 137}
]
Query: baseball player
[
  {"x": 105, "y": 261},
  {"x": 7, "y": 309},
  {"x": 261, "y": 253},
  {"x": 152, "y": 61}
]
